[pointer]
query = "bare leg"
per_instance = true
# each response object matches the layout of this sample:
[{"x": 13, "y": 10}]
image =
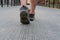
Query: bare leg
[
  {"x": 23, "y": 2},
  {"x": 33, "y": 6}
]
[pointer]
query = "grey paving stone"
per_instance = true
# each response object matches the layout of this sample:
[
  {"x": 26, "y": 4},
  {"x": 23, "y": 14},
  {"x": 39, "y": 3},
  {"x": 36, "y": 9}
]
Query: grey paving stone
[{"x": 46, "y": 25}]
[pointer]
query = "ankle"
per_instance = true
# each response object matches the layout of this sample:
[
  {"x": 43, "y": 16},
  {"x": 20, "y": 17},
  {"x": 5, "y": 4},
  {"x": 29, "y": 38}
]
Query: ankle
[
  {"x": 23, "y": 5},
  {"x": 32, "y": 12}
]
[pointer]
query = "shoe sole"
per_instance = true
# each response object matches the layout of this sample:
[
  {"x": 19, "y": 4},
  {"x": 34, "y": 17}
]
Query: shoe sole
[
  {"x": 24, "y": 18},
  {"x": 31, "y": 19}
]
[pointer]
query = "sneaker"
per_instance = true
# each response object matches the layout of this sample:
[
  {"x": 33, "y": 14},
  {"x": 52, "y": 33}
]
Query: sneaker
[
  {"x": 31, "y": 16},
  {"x": 24, "y": 15}
]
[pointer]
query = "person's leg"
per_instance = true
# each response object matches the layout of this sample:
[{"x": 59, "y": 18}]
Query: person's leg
[
  {"x": 33, "y": 6},
  {"x": 32, "y": 10},
  {"x": 24, "y": 16},
  {"x": 23, "y": 2}
]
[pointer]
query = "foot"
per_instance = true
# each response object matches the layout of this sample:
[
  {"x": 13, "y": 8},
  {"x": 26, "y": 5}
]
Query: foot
[
  {"x": 24, "y": 16},
  {"x": 31, "y": 16}
]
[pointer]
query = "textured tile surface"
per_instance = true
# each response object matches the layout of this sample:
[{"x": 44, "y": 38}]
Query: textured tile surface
[{"x": 45, "y": 27}]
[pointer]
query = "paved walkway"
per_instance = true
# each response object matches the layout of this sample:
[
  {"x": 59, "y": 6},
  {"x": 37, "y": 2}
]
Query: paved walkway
[{"x": 45, "y": 27}]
